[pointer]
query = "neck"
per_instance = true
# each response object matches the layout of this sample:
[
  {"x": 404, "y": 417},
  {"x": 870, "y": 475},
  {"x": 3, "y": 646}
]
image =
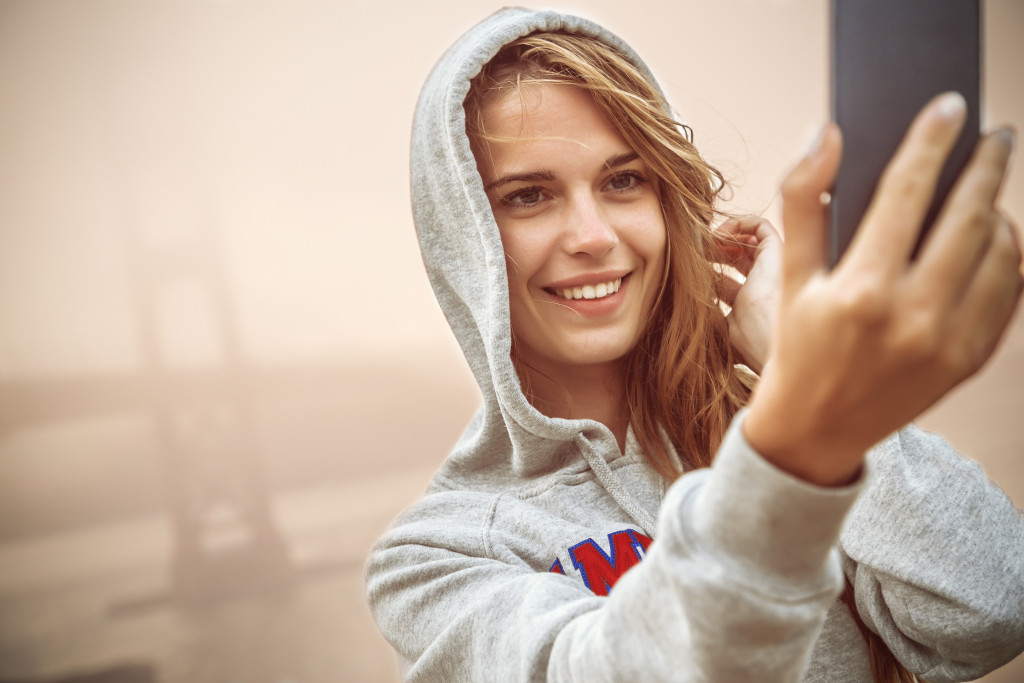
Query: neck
[{"x": 590, "y": 392}]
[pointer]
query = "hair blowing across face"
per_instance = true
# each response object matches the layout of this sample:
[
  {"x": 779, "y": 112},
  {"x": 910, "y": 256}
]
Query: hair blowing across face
[{"x": 681, "y": 378}]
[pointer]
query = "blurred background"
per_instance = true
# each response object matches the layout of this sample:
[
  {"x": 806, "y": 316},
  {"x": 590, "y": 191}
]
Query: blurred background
[{"x": 222, "y": 371}]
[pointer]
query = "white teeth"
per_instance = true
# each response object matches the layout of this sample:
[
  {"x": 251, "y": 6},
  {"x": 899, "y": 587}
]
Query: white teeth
[{"x": 591, "y": 291}]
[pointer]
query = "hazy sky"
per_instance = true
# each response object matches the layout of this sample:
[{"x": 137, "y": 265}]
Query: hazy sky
[{"x": 279, "y": 130}]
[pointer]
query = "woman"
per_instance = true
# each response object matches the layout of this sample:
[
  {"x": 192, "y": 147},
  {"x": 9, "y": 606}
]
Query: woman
[{"x": 565, "y": 221}]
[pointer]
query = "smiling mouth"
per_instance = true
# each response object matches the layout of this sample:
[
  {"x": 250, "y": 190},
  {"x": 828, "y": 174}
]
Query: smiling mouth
[{"x": 598, "y": 291}]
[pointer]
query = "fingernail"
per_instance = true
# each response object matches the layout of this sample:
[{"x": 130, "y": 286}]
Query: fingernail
[
  {"x": 952, "y": 105},
  {"x": 1008, "y": 134},
  {"x": 1009, "y": 137}
]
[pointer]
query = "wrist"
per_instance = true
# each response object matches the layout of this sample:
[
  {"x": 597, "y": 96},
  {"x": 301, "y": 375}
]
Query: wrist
[{"x": 785, "y": 435}]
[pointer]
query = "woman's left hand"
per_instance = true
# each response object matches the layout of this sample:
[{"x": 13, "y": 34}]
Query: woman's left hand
[{"x": 754, "y": 248}]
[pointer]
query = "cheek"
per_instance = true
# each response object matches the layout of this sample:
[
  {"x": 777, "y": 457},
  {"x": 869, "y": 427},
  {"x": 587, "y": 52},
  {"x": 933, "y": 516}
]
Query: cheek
[
  {"x": 659, "y": 235},
  {"x": 651, "y": 245},
  {"x": 658, "y": 240},
  {"x": 524, "y": 257},
  {"x": 649, "y": 236}
]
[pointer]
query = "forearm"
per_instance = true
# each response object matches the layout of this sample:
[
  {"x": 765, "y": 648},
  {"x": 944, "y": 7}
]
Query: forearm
[{"x": 738, "y": 583}]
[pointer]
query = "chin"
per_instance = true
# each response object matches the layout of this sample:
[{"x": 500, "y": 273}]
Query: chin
[{"x": 591, "y": 354}]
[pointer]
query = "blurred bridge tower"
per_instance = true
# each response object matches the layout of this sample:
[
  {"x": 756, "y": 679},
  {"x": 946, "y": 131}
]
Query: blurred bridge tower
[{"x": 225, "y": 541}]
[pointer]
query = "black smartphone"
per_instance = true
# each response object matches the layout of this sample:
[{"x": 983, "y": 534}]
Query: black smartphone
[{"x": 890, "y": 57}]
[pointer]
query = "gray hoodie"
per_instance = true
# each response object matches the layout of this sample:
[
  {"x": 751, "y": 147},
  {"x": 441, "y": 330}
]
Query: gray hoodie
[{"x": 513, "y": 567}]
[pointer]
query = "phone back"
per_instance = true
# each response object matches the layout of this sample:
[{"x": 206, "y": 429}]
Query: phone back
[{"x": 889, "y": 57}]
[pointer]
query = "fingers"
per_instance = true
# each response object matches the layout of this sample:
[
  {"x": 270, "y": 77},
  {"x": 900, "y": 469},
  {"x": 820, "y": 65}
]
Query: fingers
[
  {"x": 803, "y": 214},
  {"x": 743, "y": 225},
  {"x": 989, "y": 302},
  {"x": 727, "y": 289},
  {"x": 964, "y": 229},
  {"x": 742, "y": 238},
  {"x": 892, "y": 222}
]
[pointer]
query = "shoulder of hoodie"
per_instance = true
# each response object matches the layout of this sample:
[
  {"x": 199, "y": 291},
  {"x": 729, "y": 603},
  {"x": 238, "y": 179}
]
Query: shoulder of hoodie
[
  {"x": 472, "y": 496},
  {"x": 465, "y": 503},
  {"x": 459, "y": 509},
  {"x": 566, "y": 468}
]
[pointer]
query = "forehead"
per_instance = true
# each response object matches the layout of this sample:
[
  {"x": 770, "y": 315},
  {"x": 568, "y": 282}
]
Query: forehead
[{"x": 545, "y": 123}]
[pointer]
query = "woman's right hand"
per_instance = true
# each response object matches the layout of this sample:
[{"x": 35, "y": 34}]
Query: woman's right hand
[{"x": 863, "y": 349}]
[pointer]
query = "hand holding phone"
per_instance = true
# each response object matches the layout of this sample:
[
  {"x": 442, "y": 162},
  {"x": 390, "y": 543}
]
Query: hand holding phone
[{"x": 863, "y": 348}]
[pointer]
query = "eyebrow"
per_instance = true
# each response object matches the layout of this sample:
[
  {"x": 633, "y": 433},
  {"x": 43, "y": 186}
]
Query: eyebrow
[
  {"x": 530, "y": 177},
  {"x": 621, "y": 160},
  {"x": 548, "y": 176}
]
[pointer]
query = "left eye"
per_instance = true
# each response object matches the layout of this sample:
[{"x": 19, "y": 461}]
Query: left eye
[
  {"x": 524, "y": 198},
  {"x": 625, "y": 181}
]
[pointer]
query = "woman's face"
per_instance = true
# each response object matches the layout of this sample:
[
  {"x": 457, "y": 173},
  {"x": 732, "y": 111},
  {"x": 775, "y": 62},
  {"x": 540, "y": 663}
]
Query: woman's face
[{"x": 580, "y": 223}]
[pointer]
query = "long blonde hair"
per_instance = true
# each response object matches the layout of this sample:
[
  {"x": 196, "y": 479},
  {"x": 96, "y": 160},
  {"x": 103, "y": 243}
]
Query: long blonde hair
[{"x": 682, "y": 381}]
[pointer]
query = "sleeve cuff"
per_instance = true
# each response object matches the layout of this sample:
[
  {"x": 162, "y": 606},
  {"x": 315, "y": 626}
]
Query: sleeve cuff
[{"x": 770, "y": 522}]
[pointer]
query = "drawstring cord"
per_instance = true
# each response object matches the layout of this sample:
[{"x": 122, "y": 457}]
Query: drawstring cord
[{"x": 612, "y": 486}]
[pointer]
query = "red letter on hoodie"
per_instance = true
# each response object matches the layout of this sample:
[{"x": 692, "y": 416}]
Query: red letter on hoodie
[{"x": 600, "y": 571}]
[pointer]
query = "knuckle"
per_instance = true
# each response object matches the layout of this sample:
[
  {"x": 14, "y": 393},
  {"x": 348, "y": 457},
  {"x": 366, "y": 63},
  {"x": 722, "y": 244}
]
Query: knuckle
[
  {"x": 919, "y": 338},
  {"x": 1011, "y": 224},
  {"x": 793, "y": 186},
  {"x": 990, "y": 177},
  {"x": 966, "y": 350},
  {"x": 979, "y": 217},
  {"x": 899, "y": 181},
  {"x": 960, "y": 359},
  {"x": 800, "y": 188},
  {"x": 865, "y": 302},
  {"x": 975, "y": 354},
  {"x": 1007, "y": 240},
  {"x": 979, "y": 179}
]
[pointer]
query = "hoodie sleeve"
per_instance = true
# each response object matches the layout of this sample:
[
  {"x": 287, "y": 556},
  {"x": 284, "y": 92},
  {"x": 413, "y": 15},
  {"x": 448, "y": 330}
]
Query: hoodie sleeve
[
  {"x": 935, "y": 552},
  {"x": 735, "y": 587}
]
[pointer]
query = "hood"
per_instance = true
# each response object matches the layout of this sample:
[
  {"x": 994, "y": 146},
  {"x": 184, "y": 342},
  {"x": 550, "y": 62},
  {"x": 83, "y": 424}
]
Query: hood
[{"x": 465, "y": 262}]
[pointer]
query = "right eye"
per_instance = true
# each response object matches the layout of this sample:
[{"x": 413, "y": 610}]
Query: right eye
[{"x": 524, "y": 198}]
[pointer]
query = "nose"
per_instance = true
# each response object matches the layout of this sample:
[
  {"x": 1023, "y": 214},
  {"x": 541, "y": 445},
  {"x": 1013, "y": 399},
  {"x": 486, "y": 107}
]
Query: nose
[{"x": 588, "y": 229}]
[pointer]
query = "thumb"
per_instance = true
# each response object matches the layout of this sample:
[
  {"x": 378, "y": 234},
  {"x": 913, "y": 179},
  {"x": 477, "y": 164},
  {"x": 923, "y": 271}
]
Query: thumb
[{"x": 804, "y": 216}]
